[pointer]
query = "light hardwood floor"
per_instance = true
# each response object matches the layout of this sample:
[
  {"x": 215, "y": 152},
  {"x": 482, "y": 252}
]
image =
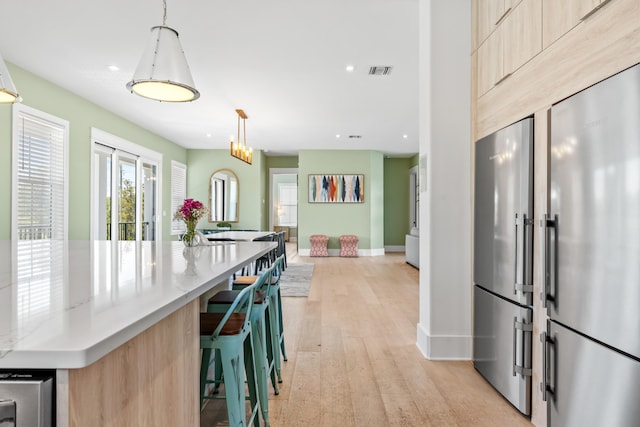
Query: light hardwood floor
[{"x": 353, "y": 360}]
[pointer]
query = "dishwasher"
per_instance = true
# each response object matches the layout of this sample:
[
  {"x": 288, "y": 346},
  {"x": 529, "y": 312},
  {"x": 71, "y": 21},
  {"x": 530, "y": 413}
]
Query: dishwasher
[{"x": 27, "y": 399}]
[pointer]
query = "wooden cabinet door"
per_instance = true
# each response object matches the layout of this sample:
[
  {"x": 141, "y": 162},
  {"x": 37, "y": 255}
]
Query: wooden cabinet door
[
  {"x": 561, "y": 16},
  {"x": 522, "y": 34},
  {"x": 490, "y": 61},
  {"x": 489, "y": 13}
]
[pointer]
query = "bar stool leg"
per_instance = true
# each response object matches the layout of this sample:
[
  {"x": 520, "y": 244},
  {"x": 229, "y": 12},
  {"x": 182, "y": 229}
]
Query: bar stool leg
[
  {"x": 204, "y": 368},
  {"x": 253, "y": 383},
  {"x": 273, "y": 346},
  {"x": 261, "y": 366},
  {"x": 281, "y": 326},
  {"x": 232, "y": 363}
]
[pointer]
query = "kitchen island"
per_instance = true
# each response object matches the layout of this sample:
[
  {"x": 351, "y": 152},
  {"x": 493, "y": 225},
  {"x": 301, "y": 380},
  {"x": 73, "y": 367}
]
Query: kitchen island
[{"x": 118, "y": 321}]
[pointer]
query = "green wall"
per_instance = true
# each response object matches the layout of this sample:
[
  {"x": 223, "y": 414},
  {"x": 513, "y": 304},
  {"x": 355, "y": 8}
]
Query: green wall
[
  {"x": 377, "y": 221},
  {"x": 82, "y": 116},
  {"x": 201, "y": 164},
  {"x": 282, "y": 162},
  {"x": 414, "y": 160},
  {"x": 333, "y": 219},
  {"x": 396, "y": 200}
]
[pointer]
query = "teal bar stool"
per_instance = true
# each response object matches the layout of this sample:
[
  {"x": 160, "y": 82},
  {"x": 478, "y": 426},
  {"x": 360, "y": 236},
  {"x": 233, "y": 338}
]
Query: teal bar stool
[
  {"x": 279, "y": 265},
  {"x": 277, "y": 330},
  {"x": 262, "y": 332},
  {"x": 229, "y": 335}
]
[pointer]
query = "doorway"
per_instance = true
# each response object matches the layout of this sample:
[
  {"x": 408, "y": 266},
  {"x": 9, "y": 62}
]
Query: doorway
[
  {"x": 283, "y": 202},
  {"x": 125, "y": 191}
]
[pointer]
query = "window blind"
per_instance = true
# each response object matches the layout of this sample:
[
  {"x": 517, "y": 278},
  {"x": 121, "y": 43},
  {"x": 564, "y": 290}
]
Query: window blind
[
  {"x": 39, "y": 176},
  {"x": 178, "y": 194}
]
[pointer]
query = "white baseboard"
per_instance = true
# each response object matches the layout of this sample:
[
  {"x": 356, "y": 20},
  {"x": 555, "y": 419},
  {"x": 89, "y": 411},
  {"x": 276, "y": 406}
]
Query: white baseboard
[{"x": 444, "y": 347}]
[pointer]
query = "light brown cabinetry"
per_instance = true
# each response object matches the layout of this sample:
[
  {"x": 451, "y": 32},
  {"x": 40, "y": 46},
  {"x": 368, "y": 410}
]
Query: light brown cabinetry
[
  {"x": 517, "y": 39},
  {"x": 562, "y": 16},
  {"x": 490, "y": 14}
]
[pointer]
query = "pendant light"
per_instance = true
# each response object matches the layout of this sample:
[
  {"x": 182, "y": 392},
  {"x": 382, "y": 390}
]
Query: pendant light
[
  {"x": 8, "y": 92},
  {"x": 163, "y": 73},
  {"x": 239, "y": 149}
]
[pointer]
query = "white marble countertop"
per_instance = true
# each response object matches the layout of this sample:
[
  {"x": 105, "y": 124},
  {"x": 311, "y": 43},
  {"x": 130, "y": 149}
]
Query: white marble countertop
[{"x": 67, "y": 304}]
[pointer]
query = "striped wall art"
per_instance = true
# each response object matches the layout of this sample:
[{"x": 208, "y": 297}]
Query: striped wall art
[{"x": 336, "y": 188}]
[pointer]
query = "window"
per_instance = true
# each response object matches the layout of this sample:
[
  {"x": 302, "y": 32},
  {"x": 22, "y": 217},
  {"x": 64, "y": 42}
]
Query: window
[
  {"x": 39, "y": 177},
  {"x": 178, "y": 194},
  {"x": 125, "y": 189},
  {"x": 288, "y": 208}
]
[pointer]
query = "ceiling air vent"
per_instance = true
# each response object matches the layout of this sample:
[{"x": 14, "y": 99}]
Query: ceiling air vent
[
  {"x": 380, "y": 70},
  {"x": 355, "y": 136}
]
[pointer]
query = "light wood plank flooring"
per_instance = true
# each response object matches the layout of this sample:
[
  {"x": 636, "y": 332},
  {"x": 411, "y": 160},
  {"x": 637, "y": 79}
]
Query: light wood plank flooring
[{"x": 353, "y": 360}]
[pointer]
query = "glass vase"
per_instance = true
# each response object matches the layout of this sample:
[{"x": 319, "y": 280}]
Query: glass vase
[{"x": 189, "y": 237}]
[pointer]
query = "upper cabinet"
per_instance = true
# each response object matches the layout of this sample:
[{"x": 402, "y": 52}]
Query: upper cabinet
[
  {"x": 509, "y": 33},
  {"x": 561, "y": 16},
  {"x": 516, "y": 38},
  {"x": 490, "y": 13},
  {"x": 523, "y": 30}
]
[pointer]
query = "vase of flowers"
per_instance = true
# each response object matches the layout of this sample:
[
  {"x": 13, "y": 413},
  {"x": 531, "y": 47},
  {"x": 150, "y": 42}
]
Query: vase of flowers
[{"x": 190, "y": 212}]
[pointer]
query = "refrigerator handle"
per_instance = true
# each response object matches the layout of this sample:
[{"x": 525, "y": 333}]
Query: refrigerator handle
[
  {"x": 525, "y": 328},
  {"x": 522, "y": 273},
  {"x": 545, "y": 387},
  {"x": 547, "y": 223},
  {"x": 516, "y": 258}
]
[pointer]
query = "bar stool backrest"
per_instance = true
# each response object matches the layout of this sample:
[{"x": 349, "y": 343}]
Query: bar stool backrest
[{"x": 243, "y": 303}]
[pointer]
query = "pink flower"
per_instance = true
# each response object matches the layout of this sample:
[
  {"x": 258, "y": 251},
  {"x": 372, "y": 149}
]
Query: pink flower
[{"x": 191, "y": 210}]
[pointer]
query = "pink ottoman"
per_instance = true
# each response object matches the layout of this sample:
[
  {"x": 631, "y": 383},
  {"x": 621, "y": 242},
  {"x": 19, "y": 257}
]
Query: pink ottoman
[
  {"x": 319, "y": 245},
  {"x": 348, "y": 245}
]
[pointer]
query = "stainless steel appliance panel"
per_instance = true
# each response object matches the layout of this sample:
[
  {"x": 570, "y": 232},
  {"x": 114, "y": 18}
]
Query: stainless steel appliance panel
[
  {"x": 594, "y": 284},
  {"x": 503, "y": 211},
  {"x": 32, "y": 398},
  {"x": 589, "y": 384},
  {"x": 7, "y": 413},
  {"x": 502, "y": 346}
]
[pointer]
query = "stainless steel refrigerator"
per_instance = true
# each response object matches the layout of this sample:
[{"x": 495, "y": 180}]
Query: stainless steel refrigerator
[
  {"x": 592, "y": 257},
  {"x": 502, "y": 270}
]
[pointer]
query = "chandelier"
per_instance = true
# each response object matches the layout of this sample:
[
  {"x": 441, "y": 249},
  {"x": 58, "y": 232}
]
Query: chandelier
[{"x": 239, "y": 149}]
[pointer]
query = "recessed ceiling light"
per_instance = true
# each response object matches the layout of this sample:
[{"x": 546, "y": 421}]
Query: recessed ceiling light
[
  {"x": 405, "y": 136},
  {"x": 350, "y": 68},
  {"x": 113, "y": 68},
  {"x": 337, "y": 135},
  {"x": 208, "y": 135}
]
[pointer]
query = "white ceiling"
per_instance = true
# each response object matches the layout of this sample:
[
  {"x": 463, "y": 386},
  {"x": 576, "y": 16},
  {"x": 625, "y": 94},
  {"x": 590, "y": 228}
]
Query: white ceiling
[{"x": 282, "y": 61}]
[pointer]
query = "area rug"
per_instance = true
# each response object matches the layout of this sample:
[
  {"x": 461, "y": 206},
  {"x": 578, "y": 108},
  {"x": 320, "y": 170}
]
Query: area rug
[{"x": 296, "y": 279}]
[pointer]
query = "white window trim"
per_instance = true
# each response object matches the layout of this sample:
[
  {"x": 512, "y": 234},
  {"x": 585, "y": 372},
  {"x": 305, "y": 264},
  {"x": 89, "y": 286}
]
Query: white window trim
[
  {"x": 177, "y": 227},
  {"x": 143, "y": 153},
  {"x": 20, "y": 109}
]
